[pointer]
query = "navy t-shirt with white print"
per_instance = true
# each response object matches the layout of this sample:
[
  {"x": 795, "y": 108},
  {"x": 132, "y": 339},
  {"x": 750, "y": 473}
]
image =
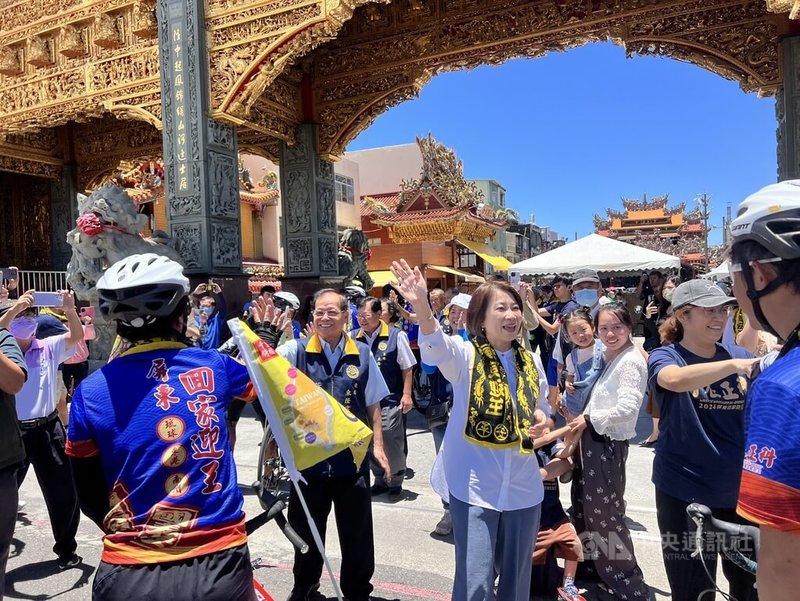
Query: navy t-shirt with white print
[{"x": 701, "y": 433}]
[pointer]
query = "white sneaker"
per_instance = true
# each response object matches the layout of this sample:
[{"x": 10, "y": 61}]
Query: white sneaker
[{"x": 445, "y": 525}]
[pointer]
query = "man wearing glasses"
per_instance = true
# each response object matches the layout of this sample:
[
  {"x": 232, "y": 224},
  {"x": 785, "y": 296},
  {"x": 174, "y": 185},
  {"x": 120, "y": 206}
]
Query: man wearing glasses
[
  {"x": 393, "y": 355},
  {"x": 347, "y": 370}
]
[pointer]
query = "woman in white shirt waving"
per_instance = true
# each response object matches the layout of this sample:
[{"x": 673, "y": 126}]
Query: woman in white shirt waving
[
  {"x": 486, "y": 467},
  {"x": 605, "y": 427}
]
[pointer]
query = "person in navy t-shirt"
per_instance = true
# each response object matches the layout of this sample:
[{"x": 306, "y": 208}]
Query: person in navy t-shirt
[
  {"x": 150, "y": 448},
  {"x": 700, "y": 388}
]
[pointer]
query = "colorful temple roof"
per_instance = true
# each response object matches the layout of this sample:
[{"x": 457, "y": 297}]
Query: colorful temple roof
[
  {"x": 653, "y": 224},
  {"x": 440, "y": 205}
]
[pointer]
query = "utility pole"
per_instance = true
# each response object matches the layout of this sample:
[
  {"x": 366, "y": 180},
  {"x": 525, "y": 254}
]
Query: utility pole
[{"x": 703, "y": 201}]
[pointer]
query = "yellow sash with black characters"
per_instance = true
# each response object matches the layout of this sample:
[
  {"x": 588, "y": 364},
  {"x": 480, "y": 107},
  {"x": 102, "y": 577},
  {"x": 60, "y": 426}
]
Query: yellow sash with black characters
[
  {"x": 738, "y": 321},
  {"x": 493, "y": 419}
]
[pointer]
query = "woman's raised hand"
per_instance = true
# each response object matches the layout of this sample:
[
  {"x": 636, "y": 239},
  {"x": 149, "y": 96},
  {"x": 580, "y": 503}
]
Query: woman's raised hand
[{"x": 411, "y": 285}]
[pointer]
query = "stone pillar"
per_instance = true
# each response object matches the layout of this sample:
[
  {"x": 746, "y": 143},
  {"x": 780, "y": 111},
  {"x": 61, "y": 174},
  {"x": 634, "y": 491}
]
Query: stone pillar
[
  {"x": 200, "y": 154},
  {"x": 787, "y": 111},
  {"x": 310, "y": 238},
  {"x": 63, "y": 213}
]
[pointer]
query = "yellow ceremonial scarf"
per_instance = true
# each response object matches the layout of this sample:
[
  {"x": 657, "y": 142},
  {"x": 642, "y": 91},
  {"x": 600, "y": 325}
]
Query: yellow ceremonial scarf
[{"x": 493, "y": 419}]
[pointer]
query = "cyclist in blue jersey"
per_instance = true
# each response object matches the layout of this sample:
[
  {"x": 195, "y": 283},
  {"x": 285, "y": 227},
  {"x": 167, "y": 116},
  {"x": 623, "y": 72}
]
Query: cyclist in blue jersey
[
  {"x": 150, "y": 450},
  {"x": 765, "y": 269}
]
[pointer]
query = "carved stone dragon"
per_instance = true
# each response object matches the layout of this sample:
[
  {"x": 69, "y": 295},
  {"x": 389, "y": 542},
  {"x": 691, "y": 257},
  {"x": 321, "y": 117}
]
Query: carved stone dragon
[
  {"x": 354, "y": 253},
  {"x": 108, "y": 229}
]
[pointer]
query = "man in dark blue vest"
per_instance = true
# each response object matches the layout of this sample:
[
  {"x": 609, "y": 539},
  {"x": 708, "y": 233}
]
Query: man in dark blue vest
[
  {"x": 348, "y": 371},
  {"x": 393, "y": 355}
]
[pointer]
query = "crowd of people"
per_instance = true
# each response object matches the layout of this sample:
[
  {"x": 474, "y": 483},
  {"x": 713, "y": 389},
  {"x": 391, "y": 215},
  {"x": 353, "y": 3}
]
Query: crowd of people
[{"x": 524, "y": 388}]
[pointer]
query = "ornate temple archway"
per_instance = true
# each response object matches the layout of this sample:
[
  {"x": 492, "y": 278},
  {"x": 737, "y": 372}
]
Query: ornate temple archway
[
  {"x": 82, "y": 80},
  {"x": 386, "y": 52}
]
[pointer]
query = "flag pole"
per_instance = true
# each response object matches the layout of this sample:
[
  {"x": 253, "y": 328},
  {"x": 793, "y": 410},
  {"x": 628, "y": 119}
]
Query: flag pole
[
  {"x": 248, "y": 353},
  {"x": 317, "y": 539}
]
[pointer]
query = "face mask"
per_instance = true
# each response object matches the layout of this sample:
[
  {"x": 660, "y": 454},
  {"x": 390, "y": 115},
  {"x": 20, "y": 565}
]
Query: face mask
[
  {"x": 23, "y": 328},
  {"x": 667, "y": 294},
  {"x": 586, "y": 297},
  {"x": 207, "y": 310}
]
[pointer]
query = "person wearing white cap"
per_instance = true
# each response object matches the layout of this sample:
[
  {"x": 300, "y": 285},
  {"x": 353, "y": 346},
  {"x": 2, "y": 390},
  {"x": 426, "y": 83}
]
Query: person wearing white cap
[{"x": 765, "y": 269}]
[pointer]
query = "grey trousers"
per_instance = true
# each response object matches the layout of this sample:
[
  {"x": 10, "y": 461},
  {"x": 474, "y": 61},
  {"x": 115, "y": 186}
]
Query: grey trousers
[
  {"x": 492, "y": 542},
  {"x": 598, "y": 487},
  {"x": 393, "y": 443}
]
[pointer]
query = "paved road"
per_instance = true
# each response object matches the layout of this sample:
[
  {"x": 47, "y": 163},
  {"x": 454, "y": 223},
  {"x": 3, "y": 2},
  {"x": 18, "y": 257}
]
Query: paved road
[{"x": 412, "y": 564}]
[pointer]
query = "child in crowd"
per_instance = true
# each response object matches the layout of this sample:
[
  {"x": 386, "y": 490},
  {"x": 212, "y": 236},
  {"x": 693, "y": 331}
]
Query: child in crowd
[
  {"x": 583, "y": 366},
  {"x": 556, "y": 532}
]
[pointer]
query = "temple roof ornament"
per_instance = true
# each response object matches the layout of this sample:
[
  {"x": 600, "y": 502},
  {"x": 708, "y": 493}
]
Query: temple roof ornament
[
  {"x": 438, "y": 205},
  {"x": 144, "y": 182}
]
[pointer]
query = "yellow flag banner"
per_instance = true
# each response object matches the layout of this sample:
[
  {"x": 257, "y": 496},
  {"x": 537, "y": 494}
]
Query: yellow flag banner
[{"x": 309, "y": 424}]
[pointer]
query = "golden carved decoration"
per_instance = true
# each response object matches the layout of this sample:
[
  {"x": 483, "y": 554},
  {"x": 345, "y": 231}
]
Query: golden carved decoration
[
  {"x": 106, "y": 32},
  {"x": 145, "y": 24},
  {"x": 75, "y": 60},
  {"x": 374, "y": 64},
  {"x": 39, "y": 52},
  {"x": 9, "y": 61},
  {"x": 785, "y": 6},
  {"x": 136, "y": 113},
  {"x": 73, "y": 42}
]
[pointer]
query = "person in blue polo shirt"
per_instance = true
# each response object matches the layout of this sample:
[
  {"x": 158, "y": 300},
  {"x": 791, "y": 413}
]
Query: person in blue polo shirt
[
  {"x": 347, "y": 370},
  {"x": 394, "y": 358}
]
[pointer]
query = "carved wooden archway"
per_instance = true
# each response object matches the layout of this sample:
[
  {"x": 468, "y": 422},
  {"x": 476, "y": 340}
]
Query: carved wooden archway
[
  {"x": 276, "y": 63},
  {"x": 386, "y": 53}
]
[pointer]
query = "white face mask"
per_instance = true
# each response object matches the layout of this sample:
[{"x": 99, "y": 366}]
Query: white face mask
[{"x": 667, "y": 294}]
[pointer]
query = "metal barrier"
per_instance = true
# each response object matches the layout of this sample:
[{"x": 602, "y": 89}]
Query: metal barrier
[{"x": 44, "y": 281}]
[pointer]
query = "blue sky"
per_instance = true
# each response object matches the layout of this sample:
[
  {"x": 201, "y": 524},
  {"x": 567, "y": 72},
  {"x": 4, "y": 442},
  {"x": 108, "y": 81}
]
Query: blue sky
[{"x": 570, "y": 133}]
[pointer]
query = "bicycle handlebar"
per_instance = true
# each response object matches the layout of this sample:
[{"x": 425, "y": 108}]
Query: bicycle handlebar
[
  {"x": 732, "y": 534},
  {"x": 274, "y": 511}
]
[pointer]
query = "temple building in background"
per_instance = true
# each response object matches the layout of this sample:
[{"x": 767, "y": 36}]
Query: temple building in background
[
  {"x": 652, "y": 224},
  {"x": 434, "y": 218}
]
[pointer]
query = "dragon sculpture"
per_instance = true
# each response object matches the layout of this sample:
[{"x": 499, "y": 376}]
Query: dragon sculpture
[
  {"x": 108, "y": 229},
  {"x": 354, "y": 253}
]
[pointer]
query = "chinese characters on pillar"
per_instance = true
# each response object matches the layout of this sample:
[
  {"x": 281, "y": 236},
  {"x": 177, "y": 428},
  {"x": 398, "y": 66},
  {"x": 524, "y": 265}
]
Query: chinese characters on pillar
[{"x": 184, "y": 185}]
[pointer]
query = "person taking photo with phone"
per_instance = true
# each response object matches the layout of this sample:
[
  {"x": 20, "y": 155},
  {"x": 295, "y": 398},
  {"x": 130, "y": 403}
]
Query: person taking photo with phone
[{"x": 43, "y": 435}]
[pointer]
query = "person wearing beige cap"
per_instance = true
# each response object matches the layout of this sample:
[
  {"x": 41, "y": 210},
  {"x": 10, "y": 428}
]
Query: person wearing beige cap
[{"x": 700, "y": 388}]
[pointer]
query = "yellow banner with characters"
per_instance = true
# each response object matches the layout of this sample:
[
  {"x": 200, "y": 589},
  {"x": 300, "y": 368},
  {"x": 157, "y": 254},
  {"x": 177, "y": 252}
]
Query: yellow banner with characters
[{"x": 309, "y": 424}]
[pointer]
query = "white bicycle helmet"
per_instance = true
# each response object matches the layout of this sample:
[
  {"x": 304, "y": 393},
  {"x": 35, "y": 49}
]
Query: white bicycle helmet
[
  {"x": 354, "y": 292},
  {"x": 771, "y": 217},
  {"x": 139, "y": 288},
  {"x": 288, "y": 298}
]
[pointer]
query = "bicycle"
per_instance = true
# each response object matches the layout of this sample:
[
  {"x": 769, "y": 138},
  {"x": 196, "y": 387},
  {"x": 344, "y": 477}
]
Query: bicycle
[
  {"x": 272, "y": 475},
  {"x": 273, "y": 510},
  {"x": 732, "y": 538}
]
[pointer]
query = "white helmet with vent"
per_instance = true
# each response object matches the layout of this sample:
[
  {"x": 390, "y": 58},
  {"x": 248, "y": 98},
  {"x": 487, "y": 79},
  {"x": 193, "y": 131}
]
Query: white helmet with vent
[
  {"x": 141, "y": 287},
  {"x": 771, "y": 217}
]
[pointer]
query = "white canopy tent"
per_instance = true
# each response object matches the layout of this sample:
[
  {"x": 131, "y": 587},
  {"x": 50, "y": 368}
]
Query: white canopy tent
[
  {"x": 604, "y": 255},
  {"x": 718, "y": 273}
]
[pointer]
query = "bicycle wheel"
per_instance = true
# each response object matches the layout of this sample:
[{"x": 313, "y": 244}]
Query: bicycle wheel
[{"x": 272, "y": 473}]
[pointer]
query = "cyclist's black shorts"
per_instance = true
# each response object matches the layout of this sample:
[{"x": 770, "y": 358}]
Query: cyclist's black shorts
[
  {"x": 222, "y": 576},
  {"x": 236, "y": 407}
]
